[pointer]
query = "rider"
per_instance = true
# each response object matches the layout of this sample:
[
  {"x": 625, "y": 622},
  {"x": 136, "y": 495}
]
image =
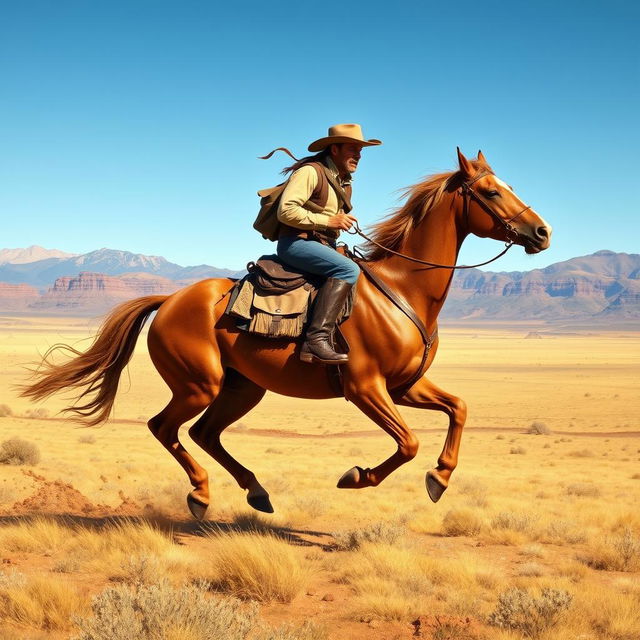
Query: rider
[{"x": 307, "y": 240}]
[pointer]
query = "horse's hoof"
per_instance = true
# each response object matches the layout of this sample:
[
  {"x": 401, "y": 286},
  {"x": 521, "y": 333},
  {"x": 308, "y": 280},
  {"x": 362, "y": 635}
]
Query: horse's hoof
[
  {"x": 435, "y": 485},
  {"x": 260, "y": 502},
  {"x": 196, "y": 506},
  {"x": 351, "y": 479}
]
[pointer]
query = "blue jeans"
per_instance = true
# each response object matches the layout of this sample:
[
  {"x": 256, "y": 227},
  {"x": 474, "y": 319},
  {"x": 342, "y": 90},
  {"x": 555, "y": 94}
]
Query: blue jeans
[{"x": 317, "y": 258}]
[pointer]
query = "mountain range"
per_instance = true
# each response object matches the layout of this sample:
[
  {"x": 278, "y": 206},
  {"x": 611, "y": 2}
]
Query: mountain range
[{"x": 603, "y": 287}]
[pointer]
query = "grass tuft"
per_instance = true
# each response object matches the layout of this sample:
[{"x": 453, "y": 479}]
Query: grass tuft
[
  {"x": 257, "y": 567},
  {"x": 380, "y": 532},
  {"x": 461, "y": 522},
  {"x": 40, "y": 603}
]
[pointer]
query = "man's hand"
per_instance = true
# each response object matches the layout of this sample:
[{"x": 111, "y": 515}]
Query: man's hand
[{"x": 342, "y": 221}]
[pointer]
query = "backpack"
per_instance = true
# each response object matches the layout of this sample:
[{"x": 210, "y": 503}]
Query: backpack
[{"x": 267, "y": 222}]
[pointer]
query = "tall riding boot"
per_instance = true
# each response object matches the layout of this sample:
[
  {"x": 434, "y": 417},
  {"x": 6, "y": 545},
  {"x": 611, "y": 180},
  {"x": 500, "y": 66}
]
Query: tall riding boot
[{"x": 329, "y": 302}]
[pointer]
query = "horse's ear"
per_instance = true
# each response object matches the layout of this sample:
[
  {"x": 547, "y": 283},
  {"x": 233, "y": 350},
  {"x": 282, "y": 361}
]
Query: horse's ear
[
  {"x": 481, "y": 157},
  {"x": 465, "y": 166}
]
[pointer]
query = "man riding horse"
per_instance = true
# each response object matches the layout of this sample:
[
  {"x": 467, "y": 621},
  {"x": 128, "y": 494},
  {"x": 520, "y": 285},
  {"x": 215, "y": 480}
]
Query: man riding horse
[{"x": 307, "y": 240}]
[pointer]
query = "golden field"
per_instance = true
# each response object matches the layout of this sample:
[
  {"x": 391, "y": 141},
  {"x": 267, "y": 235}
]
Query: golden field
[{"x": 103, "y": 512}]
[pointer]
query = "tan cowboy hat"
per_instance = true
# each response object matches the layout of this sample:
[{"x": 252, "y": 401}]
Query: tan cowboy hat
[{"x": 340, "y": 133}]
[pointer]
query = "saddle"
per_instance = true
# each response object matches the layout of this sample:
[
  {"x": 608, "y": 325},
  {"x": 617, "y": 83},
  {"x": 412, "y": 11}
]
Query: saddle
[{"x": 274, "y": 299}]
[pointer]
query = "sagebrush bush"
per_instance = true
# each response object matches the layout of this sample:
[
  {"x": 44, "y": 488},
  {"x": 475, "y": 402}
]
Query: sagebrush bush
[
  {"x": 517, "y": 451},
  {"x": 160, "y": 611},
  {"x": 461, "y": 522},
  {"x": 518, "y": 610},
  {"x": 381, "y": 532},
  {"x": 538, "y": 429},
  {"x": 522, "y": 522},
  {"x": 17, "y": 451},
  {"x": 583, "y": 490},
  {"x": 88, "y": 438},
  {"x": 5, "y": 411}
]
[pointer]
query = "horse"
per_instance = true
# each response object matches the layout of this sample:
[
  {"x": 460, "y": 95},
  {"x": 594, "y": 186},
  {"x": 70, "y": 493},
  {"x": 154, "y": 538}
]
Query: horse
[{"x": 213, "y": 368}]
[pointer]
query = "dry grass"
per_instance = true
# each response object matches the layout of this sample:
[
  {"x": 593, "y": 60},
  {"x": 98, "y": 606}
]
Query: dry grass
[
  {"x": 461, "y": 522},
  {"x": 40, "y": 603},
  {"x": 34, "y": 535},
  {"x": 257, "y": 567},
  {"x": 388, "y": 581},
  {"x": 422, "y": 573},
  {"x": 618, "y": 552}
]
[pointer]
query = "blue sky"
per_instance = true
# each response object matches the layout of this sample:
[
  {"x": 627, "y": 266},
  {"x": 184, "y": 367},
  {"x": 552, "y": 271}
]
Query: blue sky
[{"x": 136, "y": 125}]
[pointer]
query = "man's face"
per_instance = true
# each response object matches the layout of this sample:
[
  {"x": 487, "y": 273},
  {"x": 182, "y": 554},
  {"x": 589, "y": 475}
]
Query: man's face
[{"x": 346, "y": 156}]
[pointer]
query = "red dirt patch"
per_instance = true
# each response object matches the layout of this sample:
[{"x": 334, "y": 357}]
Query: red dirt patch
[{"x": 57, "y": 497}]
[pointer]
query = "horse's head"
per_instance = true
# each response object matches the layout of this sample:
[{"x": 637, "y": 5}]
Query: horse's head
[{"x": 492, "y": 209}]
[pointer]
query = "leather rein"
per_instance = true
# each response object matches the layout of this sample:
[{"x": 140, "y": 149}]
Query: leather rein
[{"x": 467, "y": 193}]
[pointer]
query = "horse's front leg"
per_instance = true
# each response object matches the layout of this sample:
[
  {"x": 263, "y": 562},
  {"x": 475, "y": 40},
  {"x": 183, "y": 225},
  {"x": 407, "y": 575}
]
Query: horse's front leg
[
  {"x": 372, "y": 398},
  {"x": 426, "y": 395}
]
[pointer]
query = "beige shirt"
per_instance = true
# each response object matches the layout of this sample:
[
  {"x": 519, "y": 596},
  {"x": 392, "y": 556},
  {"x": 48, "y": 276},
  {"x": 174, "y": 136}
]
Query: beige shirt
[{"x": 301, "y": 184}]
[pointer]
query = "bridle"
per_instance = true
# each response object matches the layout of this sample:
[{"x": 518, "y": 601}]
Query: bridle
[{"x": 468, "y": 194}]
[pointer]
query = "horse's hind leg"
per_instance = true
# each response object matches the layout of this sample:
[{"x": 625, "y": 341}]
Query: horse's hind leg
[
  {"x": 165, "y": 428},
  {"x": 426, "y": 395},
  {"x": 236, "y": 398}
]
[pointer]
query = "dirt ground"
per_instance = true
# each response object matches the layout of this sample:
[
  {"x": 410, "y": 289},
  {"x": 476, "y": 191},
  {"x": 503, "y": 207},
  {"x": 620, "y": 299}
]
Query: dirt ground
[{"x": 578, "y": 485}]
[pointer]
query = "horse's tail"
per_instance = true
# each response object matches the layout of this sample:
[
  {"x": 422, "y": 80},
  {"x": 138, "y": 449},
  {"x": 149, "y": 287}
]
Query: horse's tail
[{"x": 97, "y": 370}]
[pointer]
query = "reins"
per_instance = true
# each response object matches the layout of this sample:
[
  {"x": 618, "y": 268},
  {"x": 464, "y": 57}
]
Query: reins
[{"x": 467, "y": 192}]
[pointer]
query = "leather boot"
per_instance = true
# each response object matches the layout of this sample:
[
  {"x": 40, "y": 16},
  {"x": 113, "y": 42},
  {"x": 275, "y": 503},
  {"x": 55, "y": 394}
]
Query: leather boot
[{"x": 328, "y": 304}]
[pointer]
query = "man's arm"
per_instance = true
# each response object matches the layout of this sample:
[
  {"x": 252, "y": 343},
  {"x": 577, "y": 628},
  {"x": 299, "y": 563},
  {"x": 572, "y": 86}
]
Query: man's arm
[{"x": 298, "y": 190}]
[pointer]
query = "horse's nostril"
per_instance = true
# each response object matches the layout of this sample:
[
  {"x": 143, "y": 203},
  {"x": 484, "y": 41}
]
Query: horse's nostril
[{"x": 542, "y": 232}]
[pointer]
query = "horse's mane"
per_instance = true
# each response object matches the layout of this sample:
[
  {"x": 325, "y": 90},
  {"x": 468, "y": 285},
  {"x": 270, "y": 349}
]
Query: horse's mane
[{"x": 421, "y": 199}]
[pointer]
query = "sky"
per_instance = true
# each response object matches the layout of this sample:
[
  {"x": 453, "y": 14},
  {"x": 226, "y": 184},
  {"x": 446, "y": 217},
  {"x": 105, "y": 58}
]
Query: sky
[{"x": 136, "y": 124}]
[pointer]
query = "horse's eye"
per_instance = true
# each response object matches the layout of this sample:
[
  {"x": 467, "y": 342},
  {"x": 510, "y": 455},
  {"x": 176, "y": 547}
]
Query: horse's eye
[{"x": 490, "y": 193}]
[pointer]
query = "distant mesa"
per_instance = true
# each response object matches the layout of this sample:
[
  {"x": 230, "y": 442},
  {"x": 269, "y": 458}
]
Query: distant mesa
[
  {"x": 533, "y": 335},
  {"x": 602, "y": 288}
]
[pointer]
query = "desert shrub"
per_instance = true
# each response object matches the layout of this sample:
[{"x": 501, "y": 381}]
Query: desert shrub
[
  {"x": 162, "y": 611},
  {"x": 581, "y": 453},
  {"x": 257, "y": 567},
  {"x": 38, "y": 413},
  {"x": 522, "y": 522},
  {"x": 583, "y": 490},
  {"x": 563, "y": 531},
  {"x": 461, "y": 522},
  {"x": 617, "y": 553},
  {"x": 5, "y": 411},
  {"x": 381, "y": 532},
  {"x": 88, "y": 438},
  {"x": 517, "y": 451},
  {"x": 538, "y": 429},
  {"x": 520, "y": 611},
  {"x": 499, "y": 437},
  {"x": 17, "y": 451}
]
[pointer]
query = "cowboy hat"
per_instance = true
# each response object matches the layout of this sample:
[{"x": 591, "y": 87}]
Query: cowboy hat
[{"x": 340, "y": 133}]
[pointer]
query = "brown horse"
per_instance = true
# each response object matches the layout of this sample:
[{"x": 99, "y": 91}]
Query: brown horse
[{"x": 213, "y": 367}]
